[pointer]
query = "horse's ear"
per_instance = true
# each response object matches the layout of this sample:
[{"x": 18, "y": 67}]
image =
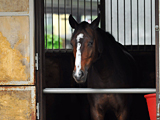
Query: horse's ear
[
  {"x": 73, "y": 23},
  {"x": 95, "y": 23}
]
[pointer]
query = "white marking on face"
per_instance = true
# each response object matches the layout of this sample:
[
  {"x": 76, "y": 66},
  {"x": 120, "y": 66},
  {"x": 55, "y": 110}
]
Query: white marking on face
[{"x": 78, "y": 55}]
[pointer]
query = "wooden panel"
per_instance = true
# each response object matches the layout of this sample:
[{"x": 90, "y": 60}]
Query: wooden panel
[
  {"x": 14, "y": 5},
  {"x": 17, "y": 103},
  {"x": 15, "y": 51}
]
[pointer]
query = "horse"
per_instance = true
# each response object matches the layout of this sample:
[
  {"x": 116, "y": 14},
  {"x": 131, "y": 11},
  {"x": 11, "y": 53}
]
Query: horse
[{"x": 102, "y": 62}]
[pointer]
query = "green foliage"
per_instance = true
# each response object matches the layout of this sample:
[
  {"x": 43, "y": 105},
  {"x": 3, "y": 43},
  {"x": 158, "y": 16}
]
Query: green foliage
[{"x": 56, "y": 42}]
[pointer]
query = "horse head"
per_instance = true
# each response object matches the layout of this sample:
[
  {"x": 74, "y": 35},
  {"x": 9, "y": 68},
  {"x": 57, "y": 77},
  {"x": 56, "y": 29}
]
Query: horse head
[{"x": 86, "y": 47}]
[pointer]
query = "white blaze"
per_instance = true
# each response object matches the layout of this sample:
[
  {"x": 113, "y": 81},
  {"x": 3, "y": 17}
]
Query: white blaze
[{"x": 78, "y": 55}]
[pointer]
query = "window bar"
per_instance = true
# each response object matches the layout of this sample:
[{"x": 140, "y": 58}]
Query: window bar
[
  {"x": 144, "y": 26},
  {"x": 84, "y": 10},
  {"x": 124, "y": 24},
  {"x": 78, "y": 11},
  {"x": 137, "y": 24},
  {"x": 97, "y": 8},
  {"x": 46, "y": 22},
  {"x": 72, "y": 15},
  {"x": 151, "y": 26},
  {"x": 58, "y": 26},
  {"x": 71, "y": 6},
  {"x": 91, "y": 10},
  {"x": 111, "y": 16},
  {"x": 52, "y": 21},
  {"x": 131, "y": 24},
  {"x": 65, "y": 21},
  {"x": 117, "y": 21},
  {"x": 95, "y": 90}
]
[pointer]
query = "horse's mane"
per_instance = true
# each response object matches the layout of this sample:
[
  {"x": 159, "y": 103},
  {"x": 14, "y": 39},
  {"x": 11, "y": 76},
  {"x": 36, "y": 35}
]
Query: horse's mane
[
  {"x": 120, "y": 57},
  {"x": 116, "y": 50},
  {"x": 109, "y": 41}
]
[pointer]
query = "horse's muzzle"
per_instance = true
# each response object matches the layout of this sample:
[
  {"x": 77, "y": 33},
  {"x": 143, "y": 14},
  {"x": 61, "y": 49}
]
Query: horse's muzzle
[{"x": 80, "y": 77}]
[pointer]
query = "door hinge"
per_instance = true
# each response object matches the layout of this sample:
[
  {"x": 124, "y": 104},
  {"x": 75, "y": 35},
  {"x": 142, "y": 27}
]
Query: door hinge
[
  {"x": 156, "y": 27},
  {"x": 37, "y": 108},
  {"x": 36, "y": 61},
  {"x": 158, "y": 115}
]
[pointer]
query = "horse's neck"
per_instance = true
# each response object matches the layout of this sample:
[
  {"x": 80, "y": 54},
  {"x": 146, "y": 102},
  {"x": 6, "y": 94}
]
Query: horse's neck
[
  {"x": 102, "y": 68},
  {"x": 111, "y": 60},
  {"x": 109, "y": 44},
  {"x": 104, "y": 74},
  {"x": 104, "y": 64},
  {"x": 114, "y": 51},
  {"x": 99, "y": 74}
]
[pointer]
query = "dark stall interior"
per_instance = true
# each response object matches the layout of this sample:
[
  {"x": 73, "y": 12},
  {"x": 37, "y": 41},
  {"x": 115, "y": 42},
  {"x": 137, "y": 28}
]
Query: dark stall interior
[
  {"x": 58, "y": 69},
  {"x": 58, "y": 72},
  {"x": 59, "y": 64}
]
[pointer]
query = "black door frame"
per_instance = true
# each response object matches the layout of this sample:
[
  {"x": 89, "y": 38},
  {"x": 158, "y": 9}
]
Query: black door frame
[
  {"x": 39, "y": 48},
  {"x": 157, "y": 54}
]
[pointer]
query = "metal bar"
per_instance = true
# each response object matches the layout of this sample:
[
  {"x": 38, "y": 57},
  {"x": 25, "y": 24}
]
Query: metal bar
[
  {"x": 103, "y": 16},
  {"x": 84, "y": 10},
  {"x": 71, "y": 14},
  {"x": 97, "y": 8},
  {"x": 107, "y": 14},
  {"x": 137, "y": 24},
  {"x": 65, "y": 20},
  {"x": 124, "y": 24},
  {"x": 52, "y": 21},
  {"x": 59, "y": 50},
  {"x": 46, "y": 22},
  {"x": 157, "y": 52},
  {"x": 144, "y": 26},
  {"x": 117, "y": 22},
  {"x": 111, "y": 16},
  {"x": 91, "y": 10},
  {"x": 151, "y": 26},
  {"x": 58, "y": 26},
  {"x": 78, "y": 10},
  {"x": 71, "y": 6},
  {"x": 93, "y": 90},
  {"x": 131, "y": 22}
]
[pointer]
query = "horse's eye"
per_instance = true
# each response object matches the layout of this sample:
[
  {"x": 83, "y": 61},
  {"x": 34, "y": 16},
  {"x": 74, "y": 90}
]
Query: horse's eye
[{"x": 90, "y": 43}]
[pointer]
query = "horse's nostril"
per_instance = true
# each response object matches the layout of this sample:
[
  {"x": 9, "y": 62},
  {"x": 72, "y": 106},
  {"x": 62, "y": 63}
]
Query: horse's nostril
[
  {"x": 81, "y": 73},
  {"x": 78, "y": 75}
]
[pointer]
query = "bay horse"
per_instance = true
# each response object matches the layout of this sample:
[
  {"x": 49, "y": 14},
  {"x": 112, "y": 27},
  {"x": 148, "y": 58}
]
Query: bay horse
[{"x": 102, "y": 63}]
